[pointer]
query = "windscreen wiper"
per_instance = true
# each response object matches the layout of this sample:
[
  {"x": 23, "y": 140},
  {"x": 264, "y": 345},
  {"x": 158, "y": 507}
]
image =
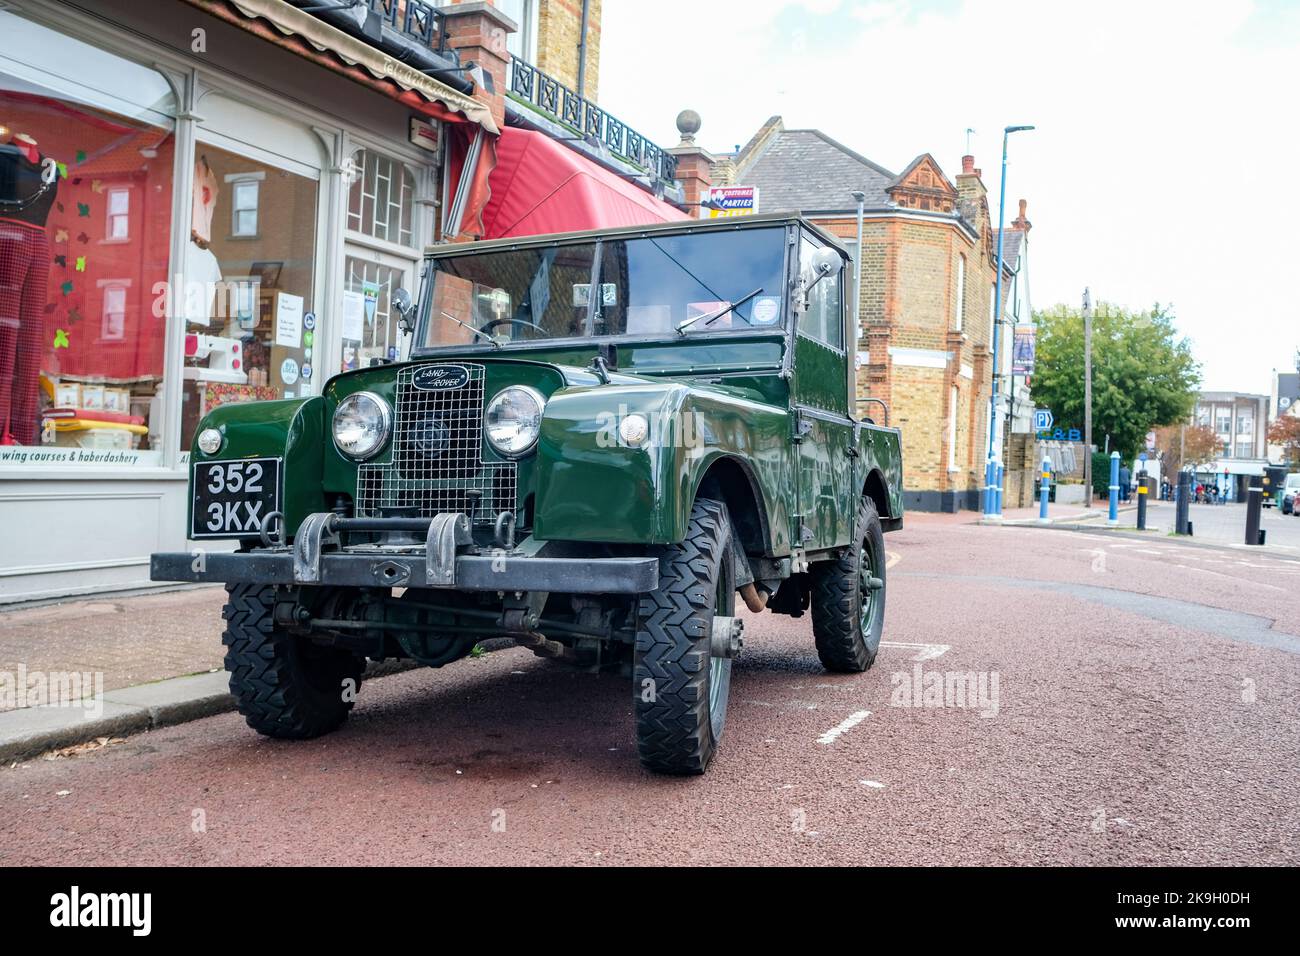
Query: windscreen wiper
[
  {"x": 481, "y": 334},
  {"x": 711, "y": 317}
]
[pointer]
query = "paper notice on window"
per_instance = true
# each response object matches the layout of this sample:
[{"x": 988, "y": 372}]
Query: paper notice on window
[
  {"x": 288, "y": 320},
  {"x": 354, "y": 316}
]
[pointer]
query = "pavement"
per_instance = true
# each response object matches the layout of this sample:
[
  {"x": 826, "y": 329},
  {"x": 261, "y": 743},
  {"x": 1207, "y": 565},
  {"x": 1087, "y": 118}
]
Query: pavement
[{"x": 1124, "y": 702}]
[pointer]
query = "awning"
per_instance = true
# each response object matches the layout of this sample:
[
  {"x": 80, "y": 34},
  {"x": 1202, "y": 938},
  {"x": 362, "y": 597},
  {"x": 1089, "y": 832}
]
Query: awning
[
  {"x": 473, "y": 131},
  {"x": 290, "y": 21},
  {"x": 540, "y": 186}
]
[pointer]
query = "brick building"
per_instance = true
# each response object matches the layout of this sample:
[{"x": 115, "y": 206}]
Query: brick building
[
  {"x": 928, "y": 266},
  {"x": 551, "y": 35}
]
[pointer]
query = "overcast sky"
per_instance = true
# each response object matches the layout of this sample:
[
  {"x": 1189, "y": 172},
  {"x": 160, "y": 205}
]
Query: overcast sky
[{"x": 1164, "y": 163}]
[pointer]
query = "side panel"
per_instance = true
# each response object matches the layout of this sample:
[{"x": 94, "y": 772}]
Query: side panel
[{"x": 881, "y": 450}]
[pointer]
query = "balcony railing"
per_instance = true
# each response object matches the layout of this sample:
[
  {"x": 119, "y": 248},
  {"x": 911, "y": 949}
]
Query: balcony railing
[
  {"x": 417, "y": 20},
  {"x": 588, "y": 120}
]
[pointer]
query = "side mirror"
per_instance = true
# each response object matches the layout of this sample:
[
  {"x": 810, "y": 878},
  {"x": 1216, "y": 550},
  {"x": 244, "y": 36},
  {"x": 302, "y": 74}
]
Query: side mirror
[
  {"x": 826, "y": 262},
  {"x": 405, "y": 310}
]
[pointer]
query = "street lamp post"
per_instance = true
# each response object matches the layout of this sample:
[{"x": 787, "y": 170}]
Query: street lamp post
[{"x": 992, "y": 502}]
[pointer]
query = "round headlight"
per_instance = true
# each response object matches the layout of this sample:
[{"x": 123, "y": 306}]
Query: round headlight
[
  {"x": 209, "y": 441},
  {"x": 361, "y": 424},
  {"x": 514, "y": 419}
]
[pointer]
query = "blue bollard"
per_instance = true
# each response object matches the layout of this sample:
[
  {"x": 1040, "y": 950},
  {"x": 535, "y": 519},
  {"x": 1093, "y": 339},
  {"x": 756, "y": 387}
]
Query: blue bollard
[
  {"x": 1113, "y": 518},
  {"x": 987, "y": 498},
  {"x": 997, "y": 490},
  {"x": 1045, "y": 489}
]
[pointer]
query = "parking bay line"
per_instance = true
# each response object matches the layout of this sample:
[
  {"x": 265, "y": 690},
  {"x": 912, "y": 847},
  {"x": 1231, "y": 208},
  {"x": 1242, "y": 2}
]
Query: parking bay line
[{"x": 845, "y": 725}]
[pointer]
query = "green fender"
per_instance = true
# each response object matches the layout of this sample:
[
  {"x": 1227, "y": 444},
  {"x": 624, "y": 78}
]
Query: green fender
[
  {"x": 289, "y": 429},
  {"x": 592, "y": 487}
]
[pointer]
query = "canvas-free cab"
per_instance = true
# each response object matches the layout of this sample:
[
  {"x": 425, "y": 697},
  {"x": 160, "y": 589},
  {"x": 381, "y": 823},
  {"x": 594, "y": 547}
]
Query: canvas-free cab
[{"x": 599, "y": 444}]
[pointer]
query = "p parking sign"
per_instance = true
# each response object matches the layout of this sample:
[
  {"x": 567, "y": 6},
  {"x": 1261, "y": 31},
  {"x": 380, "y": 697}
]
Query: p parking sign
[{"x": 1043, "y": 419}]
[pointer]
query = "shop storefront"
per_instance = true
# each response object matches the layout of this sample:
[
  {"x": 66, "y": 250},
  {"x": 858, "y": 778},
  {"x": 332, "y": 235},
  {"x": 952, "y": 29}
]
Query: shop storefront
[{"x": 185, "y": 221}]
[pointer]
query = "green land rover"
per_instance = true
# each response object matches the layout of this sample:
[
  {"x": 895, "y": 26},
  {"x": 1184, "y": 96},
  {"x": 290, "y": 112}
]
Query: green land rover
[{"x": 597, "y": 442}]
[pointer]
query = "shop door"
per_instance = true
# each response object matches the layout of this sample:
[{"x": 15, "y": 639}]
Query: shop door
[{"x": 370, "y": 329}]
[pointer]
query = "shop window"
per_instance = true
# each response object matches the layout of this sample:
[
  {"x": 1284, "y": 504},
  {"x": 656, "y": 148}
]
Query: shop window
[
  {"x": 81, "y": 351},
  {"x": 246, "y": 306},
  {"x": 113, "y": 320},
  {"x": 381, "y": 197},
  {"x": 119, "y": 215}
]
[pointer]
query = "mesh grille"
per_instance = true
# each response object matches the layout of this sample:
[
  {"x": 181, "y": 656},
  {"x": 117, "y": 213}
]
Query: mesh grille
[{"x": 437, "y": 457}]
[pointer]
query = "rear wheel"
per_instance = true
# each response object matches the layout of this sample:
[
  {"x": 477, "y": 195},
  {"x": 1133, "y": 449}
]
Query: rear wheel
[
  {"x": 284, "y": 685},
  {"x": 680, "y": 686},
  {"x": 848, "y": 598}
]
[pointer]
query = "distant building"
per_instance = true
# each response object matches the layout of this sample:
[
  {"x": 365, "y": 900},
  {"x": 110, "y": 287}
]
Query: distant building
[
  {"x": 1239, "y": 421},
  {"x": 926, "y": 306}
]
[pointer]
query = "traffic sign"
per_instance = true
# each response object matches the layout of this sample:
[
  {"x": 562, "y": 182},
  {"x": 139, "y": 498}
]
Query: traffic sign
[{"x": 1043, "y": 419}]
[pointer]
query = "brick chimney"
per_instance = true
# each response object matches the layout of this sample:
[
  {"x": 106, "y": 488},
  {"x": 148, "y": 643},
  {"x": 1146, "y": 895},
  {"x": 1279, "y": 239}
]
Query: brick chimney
[
  {"x": 1021, "y": 223},
  {"x": 971, "y": 201},
  {"x": 478, "y": 31}
]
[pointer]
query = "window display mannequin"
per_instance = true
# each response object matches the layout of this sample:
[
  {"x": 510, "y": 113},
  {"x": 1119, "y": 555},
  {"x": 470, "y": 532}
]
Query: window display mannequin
[{"x": 28, "y": 185}]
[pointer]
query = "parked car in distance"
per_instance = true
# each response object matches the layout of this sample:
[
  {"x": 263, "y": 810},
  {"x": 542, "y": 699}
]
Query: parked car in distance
[{"x": 1291, "y": 494}]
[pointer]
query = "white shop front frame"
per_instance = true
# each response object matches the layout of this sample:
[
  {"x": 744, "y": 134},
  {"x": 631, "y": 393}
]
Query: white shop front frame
[{"x": 75, "y": 529}]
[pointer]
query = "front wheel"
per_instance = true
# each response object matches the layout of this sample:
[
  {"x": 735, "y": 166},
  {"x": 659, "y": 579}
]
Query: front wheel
[
  {"x": 682, "y": 674},
  {"x": 283, "y": 684},
  {"x": 848, "y": 598}
]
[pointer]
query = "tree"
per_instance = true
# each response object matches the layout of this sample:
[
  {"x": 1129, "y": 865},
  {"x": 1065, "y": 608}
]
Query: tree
[
  {"x": 1181, "y": 445},
  {"x": 1143, "y": 373},
  {"x": 1285, "y": 431}
]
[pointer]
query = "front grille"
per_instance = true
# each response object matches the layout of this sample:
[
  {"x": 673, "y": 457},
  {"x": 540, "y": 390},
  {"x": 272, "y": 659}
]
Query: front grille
[{"x": 437, "y": 462}]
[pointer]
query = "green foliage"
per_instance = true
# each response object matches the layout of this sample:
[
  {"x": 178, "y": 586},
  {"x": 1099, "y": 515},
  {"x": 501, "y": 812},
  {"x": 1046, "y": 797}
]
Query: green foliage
[
  {"x": 1143, "y": 373},
  {"x": 1101, "y": 474}
]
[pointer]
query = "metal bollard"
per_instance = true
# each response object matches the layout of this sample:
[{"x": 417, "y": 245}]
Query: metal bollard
[
  {"x": 1142, "y": 500},
  {"x": 1045, "y": 489},
  {"x": 987, "y": 497},
  {"x": 1254, "y": 505},
  {"x": 1181, "y": 494},
  {"x": 1113, "y": 518}
]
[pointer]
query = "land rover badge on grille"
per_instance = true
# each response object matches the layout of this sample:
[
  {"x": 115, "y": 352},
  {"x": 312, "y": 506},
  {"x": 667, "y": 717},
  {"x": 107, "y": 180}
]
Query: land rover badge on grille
[{"x": 440, "y": 378}]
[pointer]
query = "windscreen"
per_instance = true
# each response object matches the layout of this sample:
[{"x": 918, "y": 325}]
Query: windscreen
[{"x": 652, "y": 286}]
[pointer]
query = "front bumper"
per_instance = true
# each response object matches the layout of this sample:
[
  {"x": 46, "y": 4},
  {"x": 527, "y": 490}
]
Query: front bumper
[
  {"x": 472, "y": 572},
  {"x": 448, "y": 560}
]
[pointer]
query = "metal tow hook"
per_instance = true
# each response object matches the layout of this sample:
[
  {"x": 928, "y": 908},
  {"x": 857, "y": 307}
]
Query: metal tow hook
[{"x": 725, "y": 641}]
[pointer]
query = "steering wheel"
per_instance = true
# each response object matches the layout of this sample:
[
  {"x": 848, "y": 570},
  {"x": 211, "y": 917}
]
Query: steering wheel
[{"x": 492, "y": 323}]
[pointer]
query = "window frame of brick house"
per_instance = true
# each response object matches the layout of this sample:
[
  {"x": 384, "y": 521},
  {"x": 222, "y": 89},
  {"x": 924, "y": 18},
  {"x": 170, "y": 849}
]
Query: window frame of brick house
[{"x": 960, "y": 306}]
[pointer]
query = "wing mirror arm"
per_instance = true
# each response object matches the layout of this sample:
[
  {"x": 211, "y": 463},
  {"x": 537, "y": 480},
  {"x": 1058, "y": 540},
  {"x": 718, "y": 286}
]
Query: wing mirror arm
[{"x": 405, "y": 309}]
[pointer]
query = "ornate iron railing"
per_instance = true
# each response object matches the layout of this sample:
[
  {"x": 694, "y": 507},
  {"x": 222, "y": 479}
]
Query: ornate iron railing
[
  {"x": 549, "y": 95},
  {"x": 417, "y": 20}
]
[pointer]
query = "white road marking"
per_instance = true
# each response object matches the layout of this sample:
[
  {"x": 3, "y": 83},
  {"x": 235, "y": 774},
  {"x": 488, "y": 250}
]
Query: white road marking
[
  {"x": 844, "y": 726},
  {"x": 927, "y": 652},
  {"x": 1230, "y": 577},
  {"x": 873, "y": 784},
  {"x": 891, "y": 559}
]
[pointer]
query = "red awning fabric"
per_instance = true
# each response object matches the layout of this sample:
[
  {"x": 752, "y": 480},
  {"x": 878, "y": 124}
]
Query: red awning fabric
[{"x": 540, "y": 186}]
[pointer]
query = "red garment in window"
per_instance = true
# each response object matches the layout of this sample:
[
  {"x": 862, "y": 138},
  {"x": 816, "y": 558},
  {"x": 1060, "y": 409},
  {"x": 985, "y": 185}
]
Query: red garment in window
[{"x": 24, "y": 287}]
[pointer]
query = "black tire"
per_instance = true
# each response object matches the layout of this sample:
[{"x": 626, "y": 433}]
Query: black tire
[
  {"x": 681, "y": 690},
  {"x": 848, "y": 612},
  {"x": 283, "y": 684}
]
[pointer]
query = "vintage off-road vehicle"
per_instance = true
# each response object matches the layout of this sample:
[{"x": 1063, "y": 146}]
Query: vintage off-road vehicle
[{"x": 597, "y": 442}]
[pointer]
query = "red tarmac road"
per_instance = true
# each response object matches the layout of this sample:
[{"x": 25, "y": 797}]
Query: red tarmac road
[{"x": 1146, "y": 711}]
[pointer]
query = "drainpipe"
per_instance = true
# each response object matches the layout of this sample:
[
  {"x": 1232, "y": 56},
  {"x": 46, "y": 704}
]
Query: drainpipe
[{"x": 582, "y": 48}]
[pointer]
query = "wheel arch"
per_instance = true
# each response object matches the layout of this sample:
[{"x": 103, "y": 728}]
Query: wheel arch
[
  {"x": 877, "y": 489},
  {"x": 732, "y": 481}
]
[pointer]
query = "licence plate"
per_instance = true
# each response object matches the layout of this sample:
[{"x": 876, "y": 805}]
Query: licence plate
[{"x": 233, "y": 498}]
